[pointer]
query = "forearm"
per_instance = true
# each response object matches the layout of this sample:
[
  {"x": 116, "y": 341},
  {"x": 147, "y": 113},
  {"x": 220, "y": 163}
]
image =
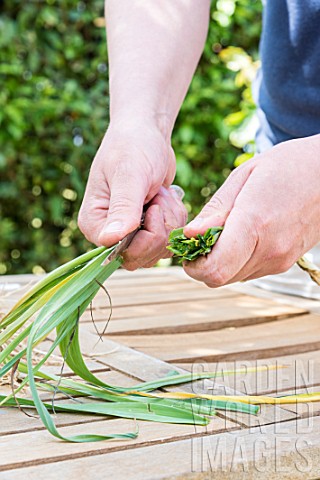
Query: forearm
[{"x": 154, "y": 48}]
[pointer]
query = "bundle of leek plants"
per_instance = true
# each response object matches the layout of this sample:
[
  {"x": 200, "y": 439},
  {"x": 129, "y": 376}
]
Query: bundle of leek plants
[
  {"x": 192, "y": 248},
  {"x": 56, "y": 303}
]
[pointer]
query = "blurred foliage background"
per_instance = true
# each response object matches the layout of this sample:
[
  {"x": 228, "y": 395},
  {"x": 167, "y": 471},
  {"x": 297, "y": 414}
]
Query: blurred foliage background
[{"x": 54, "y": 112}]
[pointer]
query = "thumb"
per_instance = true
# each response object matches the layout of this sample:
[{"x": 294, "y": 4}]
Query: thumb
[
  {"x": 125, "y": 210},
  {"x": 216, "y": 211}
]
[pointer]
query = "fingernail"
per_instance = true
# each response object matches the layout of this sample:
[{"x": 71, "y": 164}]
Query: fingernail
[
  {"x": 178, "y": 191},
  {"x": 196, "y": 223},
  {"x": 113, "y": 227}
]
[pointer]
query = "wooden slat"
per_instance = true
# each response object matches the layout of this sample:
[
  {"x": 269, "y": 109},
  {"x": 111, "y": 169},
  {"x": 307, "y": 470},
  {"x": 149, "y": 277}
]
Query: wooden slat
[
  {"x": 145, "y": 368},
  {"x": 292, "y": 452},
  {"x": 12, "y": 287},
  {"x": 301, "y": 371},
  {"x": 212, "y": 314},
  {"x": 129, "y": 288},
  {"x": 156, "y": 297},
  {"x": 121, "y": 274},
  {"x": 12, "y": 421},
  {"x": 304, "y": 410},
  {"x": 152, "y": 297},
  {"x": 126, "y": 312},
  {"x": 295, "y": 335},
  {"x": 149, "y": 315},
  {"x": 249, "y": 288},
  {"x": 38, "y": 447}
]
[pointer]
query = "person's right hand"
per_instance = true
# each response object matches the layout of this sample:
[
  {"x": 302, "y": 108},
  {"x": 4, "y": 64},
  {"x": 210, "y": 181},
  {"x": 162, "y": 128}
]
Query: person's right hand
[{"x": 132, "y": 164}]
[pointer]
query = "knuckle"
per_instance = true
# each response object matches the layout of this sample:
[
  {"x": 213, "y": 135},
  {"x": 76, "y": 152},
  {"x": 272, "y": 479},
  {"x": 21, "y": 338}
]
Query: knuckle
[
  {"x": 151, "y": 263},
  {"x": 163, "y": 238},
  {"x": 129, "y": 174},
  {"x": 218, "y": 278},
  {"x": 118, "y": 203},
  {"x": 190, "y": 270},
  {"x": 255, "y": 224},
  {"x": 255, "y": 219},
  {"x": 216, "y": 206},
  {"x": 281, "y": 257},
  {"x": 124, "y": 204},
  {"x": 281, "y": 252},
  {"x": 160, "y": 240},
  {"x": 130, "y": 266},
  {"x": 167, "y": 254},
  {"x": 215, "y": 203},
  {"x": 201, "y": 271},
  {"x": 285, "y": 265}
]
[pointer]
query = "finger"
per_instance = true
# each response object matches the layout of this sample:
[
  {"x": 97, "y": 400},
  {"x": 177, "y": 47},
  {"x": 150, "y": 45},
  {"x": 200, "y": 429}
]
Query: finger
[
  {"x": 127, "y": 194},
  {"x": 92, "y": 219},
  {"x": 174, "y": 212},
  {"x": 269, "y": 268},
  {"x": 181, "y": 212},
  {"x": 171, "y": 171},
  {"x": 149, "y": 244},
  {"x": 254, "y": 276},
  {"x": 233, "y": 250},
  {"x": 216, "y": 211},
  {"x": 151, "y": 262},
  {"x": 94, "y": 208},
  {"x": 246, "y": 271},
  {"x": 156, "y": 260},
  {"x": 265, "y": 262}
]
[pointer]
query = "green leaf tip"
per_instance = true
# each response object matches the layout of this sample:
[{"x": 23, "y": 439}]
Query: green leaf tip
[{"x": 192, "y": 248}]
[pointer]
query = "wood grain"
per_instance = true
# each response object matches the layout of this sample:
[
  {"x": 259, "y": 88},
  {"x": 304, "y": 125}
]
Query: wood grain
[
  {"x": 35, "y": 447},
  {"x": 290, "y": 453},
  {"x": 146, "y": 368},
  {"x": 160, "y": 313},
  {"x": 295, "y": 335},
  {"x": 300, "y": 371},
  {"x": 206, "y": 315}
]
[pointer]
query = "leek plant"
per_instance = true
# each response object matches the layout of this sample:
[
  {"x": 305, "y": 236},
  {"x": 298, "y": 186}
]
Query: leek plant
[
  {"x": 192, "y": 248},
  {"x": 56, "y": 303}
]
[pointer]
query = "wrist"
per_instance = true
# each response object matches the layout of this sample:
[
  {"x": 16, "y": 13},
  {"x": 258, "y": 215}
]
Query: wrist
[{"x": 141, "y": 119}]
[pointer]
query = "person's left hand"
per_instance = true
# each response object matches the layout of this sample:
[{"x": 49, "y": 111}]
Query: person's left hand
[{"x": 270, "y": 209}]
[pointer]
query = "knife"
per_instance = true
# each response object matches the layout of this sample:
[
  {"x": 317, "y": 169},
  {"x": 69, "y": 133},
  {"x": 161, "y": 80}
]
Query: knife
[
  {"x": 121, "y": 247},
  {"x": 125, "y": 242}
]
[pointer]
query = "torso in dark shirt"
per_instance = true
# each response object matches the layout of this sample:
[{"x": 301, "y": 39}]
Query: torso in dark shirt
[{"x": 287, "y": 88}]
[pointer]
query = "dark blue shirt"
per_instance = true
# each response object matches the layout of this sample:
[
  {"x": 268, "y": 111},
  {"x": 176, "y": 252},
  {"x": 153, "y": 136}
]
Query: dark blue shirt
[{"x": 287, "y": 89}]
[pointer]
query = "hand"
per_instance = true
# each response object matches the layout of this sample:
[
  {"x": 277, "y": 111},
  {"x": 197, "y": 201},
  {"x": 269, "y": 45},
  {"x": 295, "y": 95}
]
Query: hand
[
  {"x": 133, "y": 165},
  {"x": 270, "y": 207},
  {"x": 165, "y": 213}
]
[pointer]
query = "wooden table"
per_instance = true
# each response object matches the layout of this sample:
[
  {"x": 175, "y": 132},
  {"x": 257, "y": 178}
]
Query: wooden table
[{"x": 163, "y": 320}]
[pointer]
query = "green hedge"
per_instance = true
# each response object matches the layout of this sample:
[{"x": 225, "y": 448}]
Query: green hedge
[{"x": 54, "y": 111}]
